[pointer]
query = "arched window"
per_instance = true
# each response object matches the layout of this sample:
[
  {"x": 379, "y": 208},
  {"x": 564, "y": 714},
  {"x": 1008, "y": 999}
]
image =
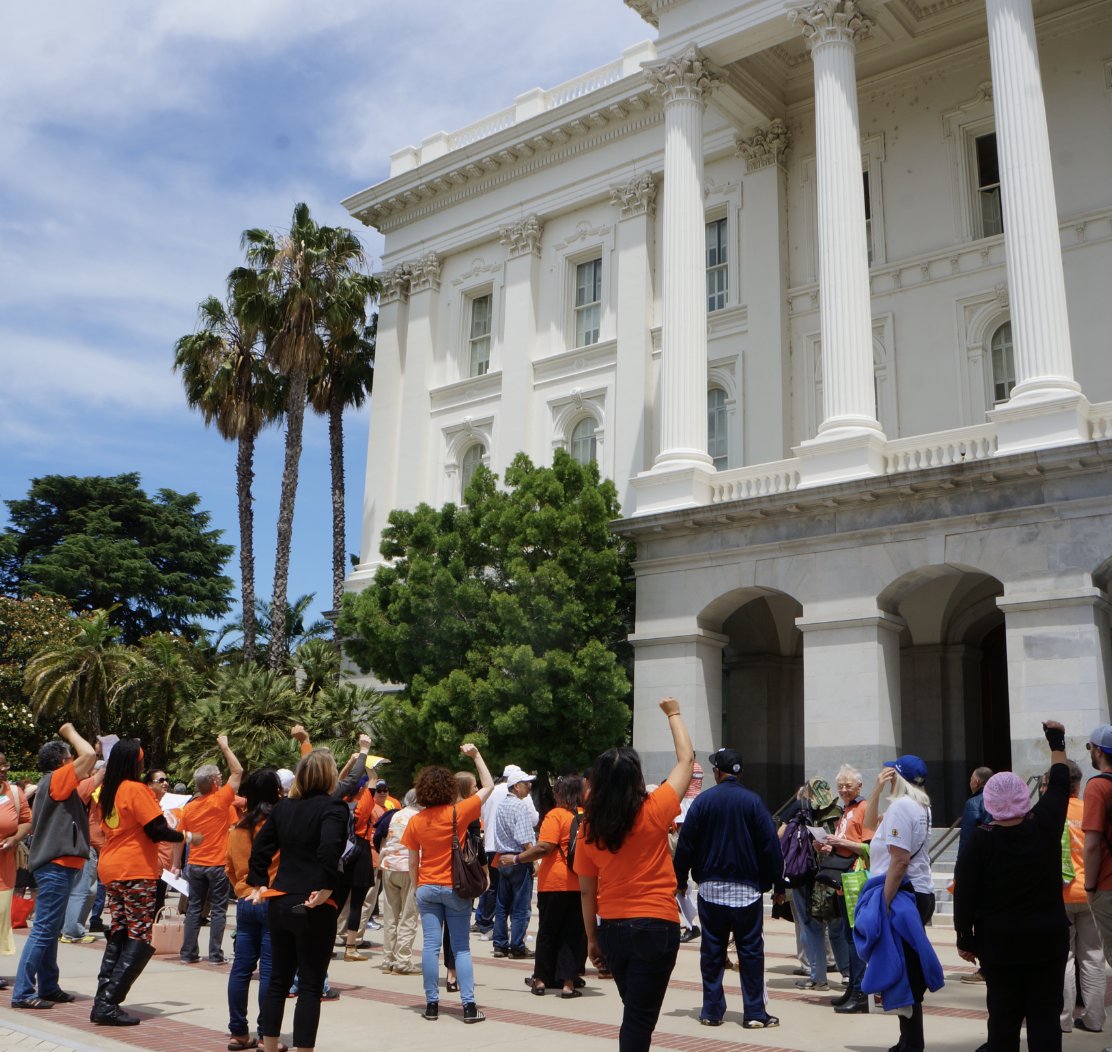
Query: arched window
[
  {"x": 584, "y": 444},
  {"x": 1003, "y": 363},
  {"x": 717, "y": 442},
  {"x": 472, "y": 458}
]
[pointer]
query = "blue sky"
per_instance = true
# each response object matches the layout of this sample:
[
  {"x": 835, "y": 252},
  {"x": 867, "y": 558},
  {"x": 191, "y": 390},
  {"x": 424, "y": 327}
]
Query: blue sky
[{"x": 139, "y": 141}]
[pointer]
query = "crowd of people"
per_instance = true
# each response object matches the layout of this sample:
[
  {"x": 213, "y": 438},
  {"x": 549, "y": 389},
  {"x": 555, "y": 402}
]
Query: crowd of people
[{"x": 625, "y": 872}]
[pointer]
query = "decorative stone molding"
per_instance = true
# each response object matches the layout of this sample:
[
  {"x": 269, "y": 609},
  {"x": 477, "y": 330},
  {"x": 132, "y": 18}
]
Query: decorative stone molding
[
  {"x": 687, "y": 76},
  {"x": 635, "y": 198},
  {"x": 645, "y": 9},
  {"x": 766, "y": 147},
  {"x": 425, "y": 273},
  {"x": 831, "y": 22},
  {"x": 524, "y": 238},
  {"x": 583, "y": 231},
  {"x": 395, "y": 284}
]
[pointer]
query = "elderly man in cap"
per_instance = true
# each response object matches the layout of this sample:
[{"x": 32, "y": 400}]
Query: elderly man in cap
[
  {"x": 487, "y": 905},
  {"x": 1097, "y": 829},
  {"x": 513, "y": 833},
  {"x": 728, "y": 843}
]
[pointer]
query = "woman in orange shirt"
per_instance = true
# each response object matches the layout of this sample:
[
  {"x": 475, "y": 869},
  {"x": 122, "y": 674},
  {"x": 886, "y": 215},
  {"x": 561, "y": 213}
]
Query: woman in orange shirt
[
  {"x": 134, "y": 826},
  {"x": 15, "y": 824},
  {"x": 561, "y": 941},
  {"x": 429, "y": 839},
  {"x": 628, "y": 881}
]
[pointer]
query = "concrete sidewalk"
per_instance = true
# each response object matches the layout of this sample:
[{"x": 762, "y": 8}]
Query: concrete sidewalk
[{"x": 185, "y": 1009}]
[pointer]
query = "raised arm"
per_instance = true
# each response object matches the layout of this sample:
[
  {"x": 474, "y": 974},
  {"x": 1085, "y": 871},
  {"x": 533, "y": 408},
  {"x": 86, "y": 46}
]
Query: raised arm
[
  {"x": 486, "y": 783},
  {"x": 872, "y": 805},
  {"x": 680, "y": 777},
  {"x": 235, "y": 768},
  {"x": 354, "y": 770},
  {"x": 84, "y": 755}
]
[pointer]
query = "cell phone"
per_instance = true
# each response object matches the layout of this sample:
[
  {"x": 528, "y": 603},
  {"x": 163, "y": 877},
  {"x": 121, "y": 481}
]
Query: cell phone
[{"x": 300, "y": 908}]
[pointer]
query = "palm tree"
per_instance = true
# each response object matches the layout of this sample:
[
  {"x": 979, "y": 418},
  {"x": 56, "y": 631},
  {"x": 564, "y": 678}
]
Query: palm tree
[
  {"x": 316, "y": 665},
  {"x": 345, "y": 381},
  {"x": 227, "y": 378},
  {"x": 304, "y": 276},
  {"x": 76, "y": 677},
  {"x": 297, "y": 631}
]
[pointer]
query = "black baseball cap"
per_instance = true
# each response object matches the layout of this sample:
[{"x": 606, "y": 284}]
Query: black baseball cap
[{"x": 728, "y": 761}]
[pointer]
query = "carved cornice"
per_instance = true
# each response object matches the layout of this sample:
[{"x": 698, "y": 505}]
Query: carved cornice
[
  {"x": 685, "y": 76},
  {"x": 635, "y": 198},
  {"x": 395, "y": 284},
  {"x": 645, "y": 9},
  {"x": 766, "y": 147},
  {"x": 831, "y": 22},
  {"x": 522, "y": 238},
  {"x": 425, "y": 273}
]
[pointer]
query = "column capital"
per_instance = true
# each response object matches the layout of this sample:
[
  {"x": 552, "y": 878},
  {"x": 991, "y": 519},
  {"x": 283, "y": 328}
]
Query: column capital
[
  {"x": 635, "y": 198},
  {"x": 688, "y": 75},
  {"x": 767, "y": 146},
  {"x": 831, "y": 22},
  {"x": 425, "y": 273},
  {"x": 524, "y": 238},
  {"x": 395, "y": 284}
]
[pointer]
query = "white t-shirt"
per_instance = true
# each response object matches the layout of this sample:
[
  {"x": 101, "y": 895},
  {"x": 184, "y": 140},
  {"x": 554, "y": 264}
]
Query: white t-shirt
[{"x": 905, "y": 824}]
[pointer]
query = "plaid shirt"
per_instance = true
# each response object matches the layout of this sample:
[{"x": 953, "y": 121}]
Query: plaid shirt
[
  {"x": 727, "y": 893},
  {"x": 513, "y": 825}
]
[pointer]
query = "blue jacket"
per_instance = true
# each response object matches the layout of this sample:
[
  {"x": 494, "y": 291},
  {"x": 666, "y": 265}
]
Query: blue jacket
[
  {"x": 728, "y": 834},
  {"x": 972, "y": 816},
  {"x": 879, "y": 935}
]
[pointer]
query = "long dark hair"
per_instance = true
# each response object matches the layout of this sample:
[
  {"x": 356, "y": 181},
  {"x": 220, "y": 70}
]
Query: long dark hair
[
  {"x": 617, "y": 793},
  {"x": 123, "y": 765},
  {"x": 262, "y": 790}
]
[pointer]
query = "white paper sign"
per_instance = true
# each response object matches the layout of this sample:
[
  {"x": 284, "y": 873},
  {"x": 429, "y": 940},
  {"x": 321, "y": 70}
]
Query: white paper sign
[
  {"x": 172, "y": 801},
  {"x": 179, "y": 885},
  {"x": 818, "y": 833}
]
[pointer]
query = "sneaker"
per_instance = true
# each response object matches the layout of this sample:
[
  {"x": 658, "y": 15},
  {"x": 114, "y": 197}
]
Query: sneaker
[
  {"x": 500, "y": 952},
  {"x": 973, "y": 977},
  {"x": 807, "y": 984},
  {"x": 330, "y": 995},
  {"x": 374, "y": 925},
  {"x": 691, "y": 934},
  {"x": 189, "y": 960},
  {"x": 522, "y": 954},
  {"x": 486, "y": 936},
  {"x": 471, "y": 1013},
  {"x": 80, "y": 940},
  {"x": 432, "y": 1010},
  {"x": 352, "y": 954}
]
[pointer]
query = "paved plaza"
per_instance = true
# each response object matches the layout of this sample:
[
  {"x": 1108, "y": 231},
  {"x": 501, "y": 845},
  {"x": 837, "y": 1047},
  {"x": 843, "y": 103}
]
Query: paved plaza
[{"x": 184, "y": 1010}]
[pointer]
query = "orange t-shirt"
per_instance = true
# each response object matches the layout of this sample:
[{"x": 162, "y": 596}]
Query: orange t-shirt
[
  {"x": 129, "y": 854},
  {"x": 211, "y": 816},
  {"x": 1098, "y": 790},
  {"x": 852, "y": 826},
  {"x": 12, "y": 816},
  {"x": 554, "y": 874},
  {"x": 1074, "y": 891},
  {"x": 430, "y": 832},
  {"x": 638, "y": 880},
  {"x": 63, "y": 783}
]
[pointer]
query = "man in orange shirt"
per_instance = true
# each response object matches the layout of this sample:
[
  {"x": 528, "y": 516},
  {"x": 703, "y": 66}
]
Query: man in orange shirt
[{"x": 209, "y": 814}]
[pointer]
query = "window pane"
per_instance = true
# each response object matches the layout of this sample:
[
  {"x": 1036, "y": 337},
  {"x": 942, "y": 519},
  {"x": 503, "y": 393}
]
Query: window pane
[
  {"x": 992, "y": 218},
  {"x": 1003, "y": 363},
  {"x": 717, "y": 438},
  {"x": 717, "y": 269},
  {"x": 988, "y": 185},
  {"x": 471, "y": 460},
  {"x": 988, "y": 165},
  {"x": 584, "y": 445},
  {"x": 480, "y": 316},
  {"x": 479, "y": 357},
  {"x": 588, "y": 282},
  {"x": 586, "y": 325}
]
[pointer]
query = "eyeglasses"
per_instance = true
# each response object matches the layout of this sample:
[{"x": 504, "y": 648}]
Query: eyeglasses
[
  {"x": 848, "y": 785},
  {"x": 160, "y": 781}
]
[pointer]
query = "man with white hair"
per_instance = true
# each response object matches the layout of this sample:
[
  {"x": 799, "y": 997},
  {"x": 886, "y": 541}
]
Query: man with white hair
[
  {"x": 210, "y": 813},
  {"x": 487, "y": 906},
  {"x": 513, "y": 833}
]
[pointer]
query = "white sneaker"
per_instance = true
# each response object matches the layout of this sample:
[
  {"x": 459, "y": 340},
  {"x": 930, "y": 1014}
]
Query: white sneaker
[
  {"x": 486, "y": 936},
  {"x": 374, "y": 925}
]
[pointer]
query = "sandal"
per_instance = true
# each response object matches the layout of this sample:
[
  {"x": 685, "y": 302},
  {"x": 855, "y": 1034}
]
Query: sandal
[
  {"x": 452, "y": 986},
  {"x": 238, "y": 1044},
  {"x": 761, "y": 1024},
  {"x": 567, "y": 995},
  {"x": 580, "y": 983}
]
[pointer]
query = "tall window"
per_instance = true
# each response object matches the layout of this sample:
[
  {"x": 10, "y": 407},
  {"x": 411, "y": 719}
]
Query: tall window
[
  {"x": 479, "y": 356},
  {"x": 1003, "y": 363},
  {"x": 988, "y": 185},
  {"x": 868, "y": 216},
  {"x": 717, "y": 268},
  {"x": 588, "y": 302},
  {"x": 472, "y": 458},
  {"x": 584, "y": 444},
  {"x": 717, "y": 442}
]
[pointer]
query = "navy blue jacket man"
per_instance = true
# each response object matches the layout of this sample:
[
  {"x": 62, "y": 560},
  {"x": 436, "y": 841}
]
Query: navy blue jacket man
[{"x": 728, "y": 843}]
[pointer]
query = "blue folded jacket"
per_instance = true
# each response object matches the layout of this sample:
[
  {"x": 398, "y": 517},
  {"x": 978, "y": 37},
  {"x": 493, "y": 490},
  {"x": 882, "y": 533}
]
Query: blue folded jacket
[{"x": 879, "y": 935}]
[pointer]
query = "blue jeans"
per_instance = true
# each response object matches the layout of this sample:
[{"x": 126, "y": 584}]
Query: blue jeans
[
  {"x": 746, "y": 925},
  {"x": 439, "y": 905},
  {"x": 487, "y": 903},
  {"x": 38, "y": 964},
  {"x": 641, "y": 953},
  {"x": 515, "y": 892},
  {"x": 814, "y": 940},
  {"x": 81, "y": 898},
  {"x": 252, "y": 946}
]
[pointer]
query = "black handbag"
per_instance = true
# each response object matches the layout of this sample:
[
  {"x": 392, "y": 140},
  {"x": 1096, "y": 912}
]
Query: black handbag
[
  {"x": 832, "y": 867},
  {"x": 469, "y": 878}
]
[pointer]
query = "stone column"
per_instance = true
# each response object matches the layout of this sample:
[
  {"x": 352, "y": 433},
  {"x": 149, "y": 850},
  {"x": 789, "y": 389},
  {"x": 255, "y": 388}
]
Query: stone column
[
  {"x": 523, "y": 244},
  {"x": 683, "y": 466},
  {"x": 413, "y": 472},
  {"x": 1045, "y": 386},
  {"x": 634, "y": 298},
  {"x": 686, "y": 664},
  {"x": 849, "y": 438},
  {"x": 380, "y": 490},
  {"x": 851, "y": 691},
  {"x": 764, "y": 276}
]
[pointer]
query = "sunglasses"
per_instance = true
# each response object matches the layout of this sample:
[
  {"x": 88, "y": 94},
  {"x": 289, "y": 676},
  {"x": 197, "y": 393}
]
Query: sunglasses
[{"x": 160, "y": 781}]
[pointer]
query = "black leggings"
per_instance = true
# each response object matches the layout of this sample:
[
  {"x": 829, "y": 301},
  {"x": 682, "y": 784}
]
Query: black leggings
[
  {"x": 911, "y": 1029},
  {"x": 355, "y": 907},
  {"x": 1031, "y": 991}
]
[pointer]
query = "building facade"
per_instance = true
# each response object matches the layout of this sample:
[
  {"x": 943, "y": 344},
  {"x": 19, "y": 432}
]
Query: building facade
[{"x": 826, "y": 290}]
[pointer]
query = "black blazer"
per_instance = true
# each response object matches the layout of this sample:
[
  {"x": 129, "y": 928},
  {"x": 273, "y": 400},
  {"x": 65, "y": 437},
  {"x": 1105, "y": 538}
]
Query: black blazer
[{"x": 310, "y": 833}]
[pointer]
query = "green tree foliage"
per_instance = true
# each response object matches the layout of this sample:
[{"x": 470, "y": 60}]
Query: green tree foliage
[
  {"x": 103, "y": 544},
  {"x": 297, "y": 631},
  {"x": 504, "y": 620}
]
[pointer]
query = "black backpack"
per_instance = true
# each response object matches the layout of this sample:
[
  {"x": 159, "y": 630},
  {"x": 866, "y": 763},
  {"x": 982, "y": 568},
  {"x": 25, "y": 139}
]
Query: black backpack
[{"x": 573, "y": 836}]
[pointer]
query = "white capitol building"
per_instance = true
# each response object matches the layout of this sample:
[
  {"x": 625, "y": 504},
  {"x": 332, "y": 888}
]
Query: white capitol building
[{"x": 826, "y": 289}]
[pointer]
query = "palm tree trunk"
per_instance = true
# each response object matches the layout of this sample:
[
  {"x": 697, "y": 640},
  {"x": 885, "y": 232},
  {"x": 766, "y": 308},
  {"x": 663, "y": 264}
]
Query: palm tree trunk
[
  {"x": 336, "y": 450},
  {"x": 245, "y": 474},
  {"x": 295, "y": 422}
]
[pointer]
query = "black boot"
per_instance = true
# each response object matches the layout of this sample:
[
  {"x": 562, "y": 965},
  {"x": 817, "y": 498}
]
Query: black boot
[
  {"x": 108, "y": 965},
  {"x": 852, "y": 1005},
  {"x": 846, "y": 995},
  {"x": 133, "y": 959}
]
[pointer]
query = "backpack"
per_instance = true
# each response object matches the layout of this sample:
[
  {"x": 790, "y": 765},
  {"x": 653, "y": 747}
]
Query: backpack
[
  {"x": 573, "y": 836},
  {"x": 799, "y": 856},
  {"x": 351, "y": 844}
]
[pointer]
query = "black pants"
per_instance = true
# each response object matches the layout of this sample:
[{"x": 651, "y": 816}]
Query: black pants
[
  {"x": 641, "y": 953},
  {"x": 300, "y": 945},
  {"x": 560, "y": 937},
  {"x": 1024, "y": 991},
  {"x": 911, "y": 1029}
]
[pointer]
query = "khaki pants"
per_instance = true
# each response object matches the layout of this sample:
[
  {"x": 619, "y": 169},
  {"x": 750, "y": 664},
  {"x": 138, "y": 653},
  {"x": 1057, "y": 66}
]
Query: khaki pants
[
  {"x": 7, "y": 942},
  {"x": 1085, "y": 947},
  {"x": 399, "y": 920}
]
